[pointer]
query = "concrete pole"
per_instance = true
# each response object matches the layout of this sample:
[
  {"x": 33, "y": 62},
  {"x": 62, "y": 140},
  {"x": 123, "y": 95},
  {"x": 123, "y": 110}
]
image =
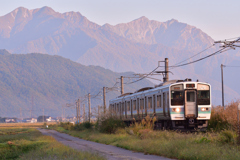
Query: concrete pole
[
  {"x": 122, "y": 89},
  {"x": 104, "y": 100},
  {"x": 79, "y": 110},
  {"x": 222, "y": 85},
  {"x": 84, "y": 113},
  {"x": 89, "y": 108},
  {"x": 166, "y": 78}
]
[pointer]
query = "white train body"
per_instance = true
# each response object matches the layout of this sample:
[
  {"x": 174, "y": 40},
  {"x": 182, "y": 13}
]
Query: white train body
[{"x": 175, "y": 104}]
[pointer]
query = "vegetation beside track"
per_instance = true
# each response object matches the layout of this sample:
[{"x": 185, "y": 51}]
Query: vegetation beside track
[
  {"x": 29, "y": 143},
  {"x": 218, "y": 143}
]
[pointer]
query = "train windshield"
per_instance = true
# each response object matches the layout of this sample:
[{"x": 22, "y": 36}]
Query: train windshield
[
  {"x": 204, "y": 97},
  {"x": 176, "y": 98}
]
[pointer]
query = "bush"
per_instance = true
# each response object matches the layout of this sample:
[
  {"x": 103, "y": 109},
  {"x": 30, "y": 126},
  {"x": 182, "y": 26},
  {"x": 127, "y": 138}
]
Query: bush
[
  {"x": 110, "y": 125},
  {"x": 83, "y": 126},
  {"x": 68, "y": 126},
  {"x": 226, "y": 136},
  {"x": 218, "y": 120},
  {"x": 142, "y": 127}
]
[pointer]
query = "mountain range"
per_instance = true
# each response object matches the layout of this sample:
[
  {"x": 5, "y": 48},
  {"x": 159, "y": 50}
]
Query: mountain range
[{"x": 135, "y": 46}]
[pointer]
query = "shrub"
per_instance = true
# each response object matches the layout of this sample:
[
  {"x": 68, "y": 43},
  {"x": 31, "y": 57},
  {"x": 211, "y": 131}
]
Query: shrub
[
  {"x": 146, "y": 125},
  {"x": 83, "y": 126},
  {"x": 68, "y": 126},
  {"x": 110, "y": 125},
  {"x": 226, "y": 136}
]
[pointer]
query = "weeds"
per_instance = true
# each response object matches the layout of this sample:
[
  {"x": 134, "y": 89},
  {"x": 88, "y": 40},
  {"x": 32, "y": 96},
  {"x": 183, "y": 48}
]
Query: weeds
[{"x": 31, "y": 144}]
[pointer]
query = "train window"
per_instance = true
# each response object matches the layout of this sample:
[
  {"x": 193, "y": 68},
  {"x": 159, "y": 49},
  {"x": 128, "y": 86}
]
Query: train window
[
  {"x": 128, "y": 106},
  {"x": 177, "y": 98},
  {"x": 154, "y": 102},
  {"x": 159, "y": 101},
  {"x": 123, "y": 107},
  {"x": 150, "y": 102},
  {"x": 203, "y": 97},
  {"x": 134, "y": 105},
  {"x": 164, "y": 95},
  {"x": 190, "y": 96}
]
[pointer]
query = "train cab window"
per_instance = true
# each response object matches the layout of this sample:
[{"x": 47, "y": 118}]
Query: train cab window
[
  {"x": 177, "y": 98},
  {"x": 134, "y": 105},
  {"x": 203, "y": 97},
  {"x": 190, "y": 96},
  {"x": 128, "y": 106},
  {"x": 159, "y": 101},
  {"x": 150, "y": 102}
]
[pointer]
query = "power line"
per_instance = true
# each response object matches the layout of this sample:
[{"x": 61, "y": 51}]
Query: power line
[
  {"x": 195, "y": 54},
  {"x": 199, "y": 59},
  {"x": 143, "y": 77}
]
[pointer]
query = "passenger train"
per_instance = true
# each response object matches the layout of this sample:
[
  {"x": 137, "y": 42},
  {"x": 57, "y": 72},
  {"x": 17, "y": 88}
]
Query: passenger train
[{"x": 176, "y": 104}]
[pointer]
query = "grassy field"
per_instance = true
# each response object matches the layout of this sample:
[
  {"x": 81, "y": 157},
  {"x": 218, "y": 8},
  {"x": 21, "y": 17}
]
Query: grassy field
[
  {"x": 19, "y": 125},
  {"x": 192, "y": 146},
  {"x": 29, "y": 143}
]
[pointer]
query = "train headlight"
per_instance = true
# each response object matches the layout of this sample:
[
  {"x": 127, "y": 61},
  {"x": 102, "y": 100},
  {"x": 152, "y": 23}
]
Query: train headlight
[
  {"x": 176, "y": 109},
  {"x": 204, "y": 109}
]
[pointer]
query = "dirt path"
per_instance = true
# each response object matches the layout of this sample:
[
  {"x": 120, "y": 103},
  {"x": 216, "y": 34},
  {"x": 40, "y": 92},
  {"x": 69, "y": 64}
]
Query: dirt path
[{"x": 110, "y": 152}]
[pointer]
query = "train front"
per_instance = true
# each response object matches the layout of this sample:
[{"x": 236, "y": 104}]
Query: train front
[{"x": 190, "y": 105}]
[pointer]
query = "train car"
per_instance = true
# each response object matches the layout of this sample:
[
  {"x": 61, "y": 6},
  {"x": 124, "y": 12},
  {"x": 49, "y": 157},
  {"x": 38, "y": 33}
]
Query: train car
[{"x": 176, "y": 104}]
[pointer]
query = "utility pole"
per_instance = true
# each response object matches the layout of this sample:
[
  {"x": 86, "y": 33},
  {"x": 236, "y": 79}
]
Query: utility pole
[
  {"x": 83, "y": 112},
  {"x": 89, "y": 108},
  {"x": 98, "y": 112},
  {"x": 122, "y": 89},
  {"x": 79, "y": 110},
  {"x": 104, "y": 100},
  {"x": 166, "y": 77},
  {"x": 222, "y": 84}
]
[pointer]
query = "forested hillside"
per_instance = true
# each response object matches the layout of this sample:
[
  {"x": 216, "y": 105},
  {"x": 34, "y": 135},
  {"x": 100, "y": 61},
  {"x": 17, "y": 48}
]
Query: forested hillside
[{"x": 48, "y": 82}]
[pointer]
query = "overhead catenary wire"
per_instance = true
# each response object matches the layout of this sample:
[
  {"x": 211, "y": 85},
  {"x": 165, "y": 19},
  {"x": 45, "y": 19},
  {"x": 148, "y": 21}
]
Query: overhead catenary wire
[
  {"x": 219, "y": 51},
  {"x": 195, "y": 54},
  {"x": 143, "y": 76}
]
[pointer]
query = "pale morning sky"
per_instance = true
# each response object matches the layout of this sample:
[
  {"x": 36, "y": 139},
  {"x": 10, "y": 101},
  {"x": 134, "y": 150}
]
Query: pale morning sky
[{"x": 218, "y": 18}]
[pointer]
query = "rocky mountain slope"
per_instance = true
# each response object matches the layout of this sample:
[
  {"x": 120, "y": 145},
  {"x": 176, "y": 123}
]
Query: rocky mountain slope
[{"x": 135, "y": 46}]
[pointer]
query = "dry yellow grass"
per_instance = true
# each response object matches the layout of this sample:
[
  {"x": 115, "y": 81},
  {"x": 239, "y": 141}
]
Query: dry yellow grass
[
  {"x": 38, "y": 124},
  {"x": 229, "y": 114}
]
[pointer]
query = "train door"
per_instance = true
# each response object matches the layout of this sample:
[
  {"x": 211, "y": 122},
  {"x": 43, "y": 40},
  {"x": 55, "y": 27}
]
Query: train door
[
  {"x": 190, "y": 104},
  {"x": 168, "y": 109}
]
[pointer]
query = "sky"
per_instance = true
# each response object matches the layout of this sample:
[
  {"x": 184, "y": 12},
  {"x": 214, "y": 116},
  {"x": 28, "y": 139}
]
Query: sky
[{"x": 218, "y": 18}]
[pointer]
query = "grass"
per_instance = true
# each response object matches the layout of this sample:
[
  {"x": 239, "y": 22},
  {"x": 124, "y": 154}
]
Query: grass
[
  {"x": 29, "y": 143},
  {"x": 190, "y": 146}
]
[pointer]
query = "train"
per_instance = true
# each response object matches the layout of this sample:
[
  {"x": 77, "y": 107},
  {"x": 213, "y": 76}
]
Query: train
[{"x": 175, "y": 104}]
